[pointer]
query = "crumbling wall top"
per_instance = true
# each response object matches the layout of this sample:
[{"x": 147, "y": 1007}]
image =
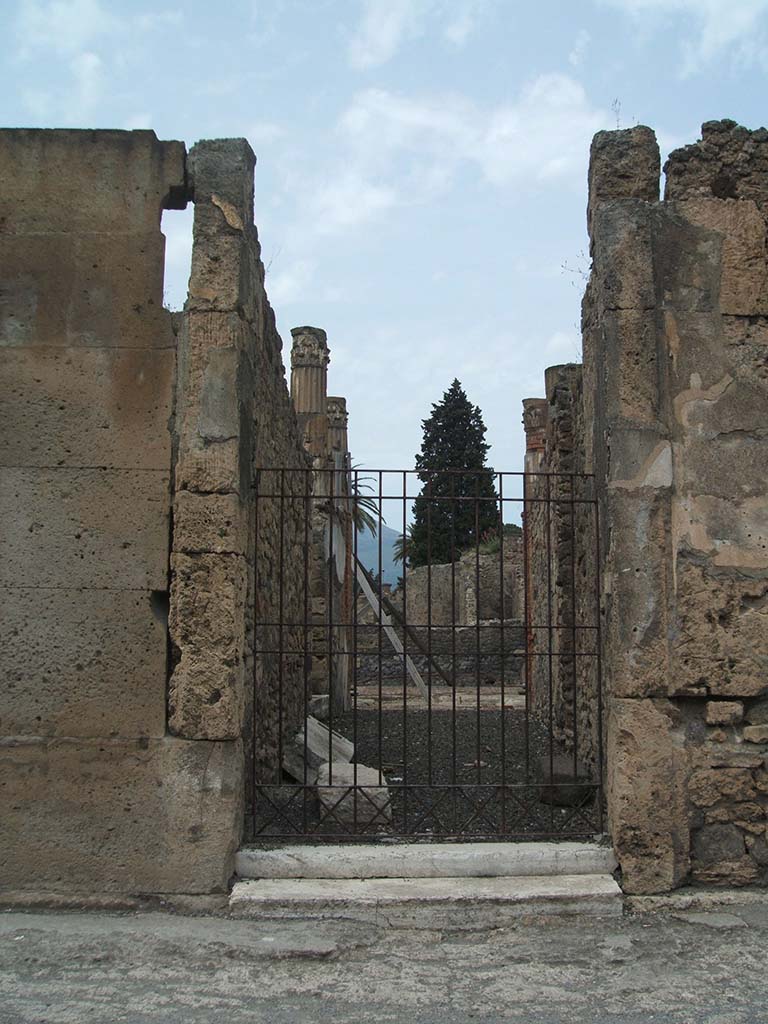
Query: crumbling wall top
[
  {"x": 623, "y": 164},
  {"x": 728, "y": 162}
]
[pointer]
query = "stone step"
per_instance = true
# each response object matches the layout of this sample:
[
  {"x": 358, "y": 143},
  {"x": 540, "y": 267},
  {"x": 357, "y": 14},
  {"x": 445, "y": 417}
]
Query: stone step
[
  {"x": 428, "y": 903},
  {"x": 425, "y": 860}
]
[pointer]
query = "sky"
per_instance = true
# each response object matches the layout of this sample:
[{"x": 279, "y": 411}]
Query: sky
[{"x": 421, "y": 176}]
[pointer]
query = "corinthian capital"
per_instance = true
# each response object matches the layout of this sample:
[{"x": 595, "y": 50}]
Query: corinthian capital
[{"x": 310, "y": 347}]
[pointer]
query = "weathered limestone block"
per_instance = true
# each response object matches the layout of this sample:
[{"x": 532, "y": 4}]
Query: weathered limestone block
[
  {"x": 744, "y": 271},
  {"x": 82, "y": 662},
  {"x": 210, "y": 523},
  {"x": 719, "y": 856},
  {"x": 225, "y": 270},
  {"x": 742, "y": 813},
  {"x": 721, "y": 644},
  {"x": 630, "y": 353},
  {"x": 353, "y": 795},
  {"x": 746, "y": 345},
  {"x": 709, "y": 786},
  {"x": 647, "y": 800},
  {"x": 147, "y": 816},
  {"x": 623, "y": 165},
  {"x": 724, "y": 712},
  {"x": 100, "y": 290},
  {"x": 206, "y": 696},
  {"x": 687, "y": 262},
  {"x": 757, "y": 713},
  {"x": 636, "y": 632},
  {"x": 87, "y": 181},
  {"x": 623, "y": 254},
  {"x": 756, "y": 733},
  {"x": 85, "y": 407},
  {"x": 84, "y": 528}
]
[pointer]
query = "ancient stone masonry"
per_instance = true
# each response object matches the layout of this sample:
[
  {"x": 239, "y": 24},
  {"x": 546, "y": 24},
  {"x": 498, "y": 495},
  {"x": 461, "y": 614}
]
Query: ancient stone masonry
[
  {"x": 455, "y": 613},
  {"x": 323, "y": 421},
  {"x": 675, "y": 393},
  {"x": 234, "y": 422},
  {"x": 111, "y": 778},
  {"x": 560, "y": 530}
]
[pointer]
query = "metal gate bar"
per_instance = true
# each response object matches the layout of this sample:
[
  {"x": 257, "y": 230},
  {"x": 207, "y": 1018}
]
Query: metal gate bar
[{"x": 509, "y": 614}]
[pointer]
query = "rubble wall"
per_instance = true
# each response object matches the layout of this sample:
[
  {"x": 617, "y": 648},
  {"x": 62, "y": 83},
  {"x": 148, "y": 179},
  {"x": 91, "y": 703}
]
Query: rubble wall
[{"x": 676, "y": 357}]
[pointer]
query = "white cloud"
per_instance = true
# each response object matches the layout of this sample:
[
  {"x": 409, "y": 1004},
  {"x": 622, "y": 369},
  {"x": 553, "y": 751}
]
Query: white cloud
[
  {"x": 386, "y": 25},
  {"x": 545, "y": 135},
  {"x": 418, "y": 144},
  {"x": 713, "y": 25},
  {"x": 142, "y": 120},
  {"x": 262, "y": 133},
  {"x": 580, "y": 44},
  {"x": 291, "y": 284},
  {"x": 398, "y": 151},
  {"x": 563, "y": 346},
  {"x": 347, "y": 201},
  {"x": 381, "y": 31},
  {"x": 87, "y": 73},
  {"x": 64, "y": 26}
]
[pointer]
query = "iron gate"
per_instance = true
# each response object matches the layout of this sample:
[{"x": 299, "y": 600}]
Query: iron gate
[{"x": 438, "y": 680}]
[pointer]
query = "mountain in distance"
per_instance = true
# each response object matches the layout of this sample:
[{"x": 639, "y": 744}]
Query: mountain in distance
[{"x": 368, "y": 553}]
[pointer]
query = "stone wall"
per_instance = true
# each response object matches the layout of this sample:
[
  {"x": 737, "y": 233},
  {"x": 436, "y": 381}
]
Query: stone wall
[
  {"x": 676, "y": 357},
  {"x": 561, "y": 544},
  {"x": 476, "y": 587},
  {"x": 235, "y": 562},
  {"x": 112, "y": 780}
]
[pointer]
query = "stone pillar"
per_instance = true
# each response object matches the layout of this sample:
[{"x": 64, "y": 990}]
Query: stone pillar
[
  {"x": 309, "y": 385},
  {"x": 535, "y": 425},
  {"x": 214, "y": 414},
  {"x": 337, "y": 425}
]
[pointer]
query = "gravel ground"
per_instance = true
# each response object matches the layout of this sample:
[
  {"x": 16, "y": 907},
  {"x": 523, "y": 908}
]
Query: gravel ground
[{"x": 470, "y": 774}]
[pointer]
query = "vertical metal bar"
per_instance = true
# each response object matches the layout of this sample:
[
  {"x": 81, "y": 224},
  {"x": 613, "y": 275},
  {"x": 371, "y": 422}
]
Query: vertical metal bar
[
  {"x": 354, "y": 496},
  {"x": 254, "y": 801},
  {"x": 452, "y": 513},
  {"x": 281, "y": 631},
  {"x": 502, "y": 655},
  {"x": 380, "y": 722},
  {"x": 574, "y": 657},
  {"x": 330, "y": 569},
  {"x": 477, "y": 627},
  {"x": 598, "y": 663},
  {"x": 550, "y": 686},
  {"x": 530, "y": 636},
  {"x": 307, "y": 505},
  {"x": 429, "y": 627},
  {"x": 405, "y": 660}
]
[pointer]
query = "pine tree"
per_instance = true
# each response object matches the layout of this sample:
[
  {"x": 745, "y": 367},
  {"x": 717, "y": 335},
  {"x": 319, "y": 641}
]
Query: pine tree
[{"x": 454, "y": 509}]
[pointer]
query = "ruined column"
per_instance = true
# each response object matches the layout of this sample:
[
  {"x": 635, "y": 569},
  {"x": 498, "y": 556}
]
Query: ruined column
[
  {"x": 310, "y": 356},
  {"x": 535, "y": 427},
  {"x": 337, "y": 424}
]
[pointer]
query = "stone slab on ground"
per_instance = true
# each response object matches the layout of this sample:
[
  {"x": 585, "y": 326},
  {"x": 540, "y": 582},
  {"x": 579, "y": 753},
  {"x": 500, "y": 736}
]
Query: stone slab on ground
[
  {"x": 425, "y": 860},
  {"x": 323, "y": 744},
  {"x": 428, "y": 902},
  {"x": 353, "y": 795}
]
